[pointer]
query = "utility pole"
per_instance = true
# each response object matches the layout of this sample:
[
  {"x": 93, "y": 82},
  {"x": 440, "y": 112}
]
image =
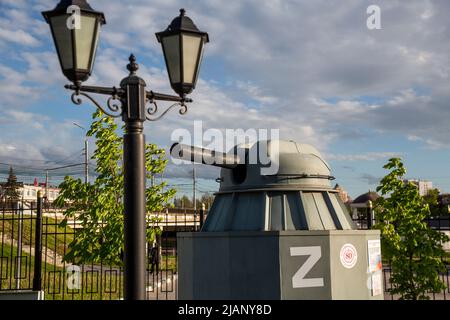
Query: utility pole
[
  {"x": 193, "y": 189},
  {"x": 86, "y": 160},
  {"x": 46, "y": 186},
  {"x": 193, "y": 194},
  {"x": 85, "y": 153}
]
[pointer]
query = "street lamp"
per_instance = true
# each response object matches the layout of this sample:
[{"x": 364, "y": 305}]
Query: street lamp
[
  {"x": 182, "y": 44},
  {"x": 76, "y": 45},
  {"x": 75, "y": 29}
]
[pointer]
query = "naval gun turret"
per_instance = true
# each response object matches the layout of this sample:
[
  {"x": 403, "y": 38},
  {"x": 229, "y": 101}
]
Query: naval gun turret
[
  {"x": 298, "y": 196},
  {"x": 276, "y": 230}
]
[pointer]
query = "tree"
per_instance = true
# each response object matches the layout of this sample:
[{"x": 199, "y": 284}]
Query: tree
[
  {"x": 183, "y": 202},
  {"x": 207, "y": 199},
  {"x": 413, "y": 249},
  {"x": 99, "y": 206},
  {"x": 186, "y": 202},
  {"x": 432, "y": 199},
  {"x": 11, "y": 192}
]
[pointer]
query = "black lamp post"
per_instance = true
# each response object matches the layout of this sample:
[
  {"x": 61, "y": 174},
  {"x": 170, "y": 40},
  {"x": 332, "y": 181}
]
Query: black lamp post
[{"x": 76, "y": 46}]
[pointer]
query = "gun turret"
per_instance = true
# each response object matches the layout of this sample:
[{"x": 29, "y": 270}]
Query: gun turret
[
  {"x": 205, "y": 156},
  {"x": 292, "y": 198}
]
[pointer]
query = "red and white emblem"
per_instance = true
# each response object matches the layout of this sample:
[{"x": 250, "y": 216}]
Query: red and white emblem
[{"x": 348, "y": 255}]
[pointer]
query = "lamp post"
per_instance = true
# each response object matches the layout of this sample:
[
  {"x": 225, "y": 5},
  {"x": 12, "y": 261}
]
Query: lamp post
[{"x": 75, "y": 28}]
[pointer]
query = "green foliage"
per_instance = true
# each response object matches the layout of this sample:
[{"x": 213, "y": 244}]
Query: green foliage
[
  {"x": 185, "y": 202},
  {"x": 99, "y": 206},
  {"x": 432, "y": 199},
  {"x": 413, "y": 249},
  {"x": 10, "y": 192}
]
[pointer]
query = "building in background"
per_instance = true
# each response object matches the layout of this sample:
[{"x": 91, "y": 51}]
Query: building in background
[
  {"x": 29, "y": 192},
  {"x": 423, "y": 185},
  {"x": 360, "y": 206}
]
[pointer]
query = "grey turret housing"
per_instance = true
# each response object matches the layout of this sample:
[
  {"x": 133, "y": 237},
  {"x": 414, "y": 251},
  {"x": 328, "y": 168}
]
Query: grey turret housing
[{"x": 298, "y": 196}]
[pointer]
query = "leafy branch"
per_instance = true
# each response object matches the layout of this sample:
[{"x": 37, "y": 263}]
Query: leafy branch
[
  {"x": 98, "y": 207},
  {"x": 412, "y": 247}
]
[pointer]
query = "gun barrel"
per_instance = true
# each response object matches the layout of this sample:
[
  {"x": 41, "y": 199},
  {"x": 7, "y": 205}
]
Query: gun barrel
[{"x": 205, "y": 156}]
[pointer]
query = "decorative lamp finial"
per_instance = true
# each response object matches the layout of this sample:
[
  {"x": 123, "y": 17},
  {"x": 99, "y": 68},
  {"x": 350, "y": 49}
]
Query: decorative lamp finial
[{"x": 132, "y": 66}]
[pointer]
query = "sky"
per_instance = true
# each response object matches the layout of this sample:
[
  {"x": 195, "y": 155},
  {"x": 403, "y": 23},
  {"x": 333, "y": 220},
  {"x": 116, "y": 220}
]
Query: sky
[{"x": 312, "y": 69}]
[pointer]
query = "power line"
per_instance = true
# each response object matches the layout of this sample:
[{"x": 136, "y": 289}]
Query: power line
[
  {"x": 63, "y": 167},
  {"x": 57, "y": 160},
  {"x": 20, "y": 166}
]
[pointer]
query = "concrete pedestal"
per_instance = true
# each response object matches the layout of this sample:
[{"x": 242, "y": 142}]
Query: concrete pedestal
[
  {"x": 277, "y": 265},
  {"x": 22, "y": 295}
]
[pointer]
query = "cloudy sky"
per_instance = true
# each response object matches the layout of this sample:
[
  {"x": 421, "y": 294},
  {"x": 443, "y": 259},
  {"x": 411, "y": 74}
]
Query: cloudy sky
[{"x": 309, "y": 68}]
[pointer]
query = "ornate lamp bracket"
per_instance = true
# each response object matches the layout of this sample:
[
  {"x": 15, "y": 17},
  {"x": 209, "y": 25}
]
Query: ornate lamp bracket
[
  {"x": 115, "y": 103},
  {"x": 153, "y": 109}
]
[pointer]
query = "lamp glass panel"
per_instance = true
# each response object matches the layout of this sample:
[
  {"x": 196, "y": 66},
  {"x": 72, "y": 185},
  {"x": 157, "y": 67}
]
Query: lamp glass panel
[
  {"x": 84, "y": 40},
  {"x": 191, "y": 52},
  {"x": 171, "y": 48},
  {"x": 202, "y": 43},
  {"x": 97, "y": 36},
  {"x": 63, "y": 40}
]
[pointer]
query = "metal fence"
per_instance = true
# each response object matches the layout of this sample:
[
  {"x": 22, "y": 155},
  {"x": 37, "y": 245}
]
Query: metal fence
[
  {"x": 440, "y": 223},
  {"x": 32, "y": 230},
  {"x": 33, "y": 244}
]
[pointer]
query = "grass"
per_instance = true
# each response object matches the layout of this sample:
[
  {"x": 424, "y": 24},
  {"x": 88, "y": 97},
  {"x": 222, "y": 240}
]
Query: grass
[
  {"x": 95, "y": 285},
  {"x": 55, "y": 238},
  {"x": 96, "y": 282},
  {"x": 8, "y": 265},
  {"x": 100, "y": 283}
]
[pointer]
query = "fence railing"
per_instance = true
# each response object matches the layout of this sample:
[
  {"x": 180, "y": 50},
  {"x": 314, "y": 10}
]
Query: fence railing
[
  {"x": 32, "y": 239},
  {"x": 33, "y": 244},
  {"x": 440, "y": 223}
]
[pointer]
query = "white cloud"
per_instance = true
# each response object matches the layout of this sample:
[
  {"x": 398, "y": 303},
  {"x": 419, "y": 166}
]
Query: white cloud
[
  {"x": 26, "y": 118},
  {"x": 309, "y": 68},
  {"x": 429, "y": 143},
  {"x": 369, "y": 156},
  {"x": 255, "y": 92},
  {"x": 287, "y": 51},
  {"x": 18, "y": 37},
  {"x": 6, "y": 148},
  {"x": 21, "y": 87}
]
